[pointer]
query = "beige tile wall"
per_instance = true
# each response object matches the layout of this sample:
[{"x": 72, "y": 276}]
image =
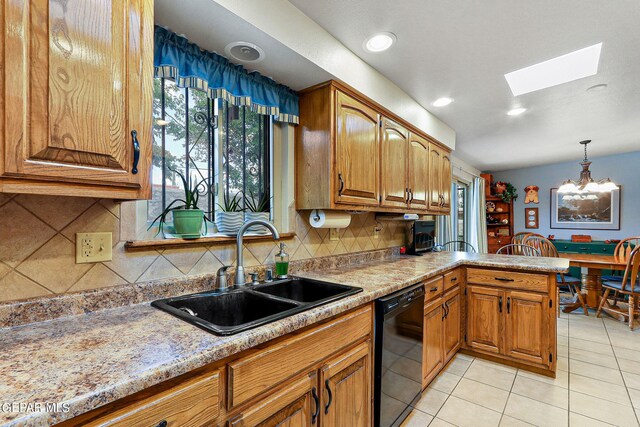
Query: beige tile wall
[{"x": 37, "y": 247}]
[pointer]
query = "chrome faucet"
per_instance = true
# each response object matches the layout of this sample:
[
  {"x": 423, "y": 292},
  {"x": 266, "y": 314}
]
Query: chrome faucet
[{"x": 240, "y": 279}]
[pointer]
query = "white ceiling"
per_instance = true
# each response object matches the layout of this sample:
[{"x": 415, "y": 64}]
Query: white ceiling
[
  {"x": 462, "y": 49},
  {"x": 212, "y": 27}
]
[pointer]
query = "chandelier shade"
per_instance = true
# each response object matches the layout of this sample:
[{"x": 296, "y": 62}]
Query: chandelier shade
[{"x": 586, "y": 184}]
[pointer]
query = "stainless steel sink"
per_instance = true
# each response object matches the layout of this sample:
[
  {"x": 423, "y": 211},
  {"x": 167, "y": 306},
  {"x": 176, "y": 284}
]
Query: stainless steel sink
[{"x": 238, "y": 309}]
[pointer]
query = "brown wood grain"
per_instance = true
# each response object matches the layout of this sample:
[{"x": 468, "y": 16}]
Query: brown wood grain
[
  {"x": 432, "y": 341},
  {"x": 484, "y": 318},
  {"x": 418, "y": 174},
  {"x": 452, "y": 340},
  {"x": 526, "y": 326},
  {"x": 394, "y": 148},
  {"x": 433, "y": 288},
  {"x": 508, "y": 279}
]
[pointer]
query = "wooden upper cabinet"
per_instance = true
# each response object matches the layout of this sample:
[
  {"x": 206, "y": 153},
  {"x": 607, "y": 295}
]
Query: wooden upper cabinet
[
  {"x": 357, "y": 152},
  {"x": 445, "y": 182},
  {"x": 418, "y": 176},
  {"x": 394, "y": 164},
  {"x": 484, "y": 318},
  {"x": 346, "y": 389},
  {"x": 80, "y": 81},
  {"x": 527, "y": 326},
  {"x": 435, "y": 175}
]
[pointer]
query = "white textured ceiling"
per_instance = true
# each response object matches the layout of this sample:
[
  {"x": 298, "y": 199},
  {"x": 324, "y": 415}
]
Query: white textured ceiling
[{"x": 463, "y": 48}]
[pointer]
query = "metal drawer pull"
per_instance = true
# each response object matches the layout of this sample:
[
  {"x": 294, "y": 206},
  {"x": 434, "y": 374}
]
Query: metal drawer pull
[
  {"x": 136, "y": 151},
  {"x": 434, "y": 289},
  {"x": 503, "y": 279},
  {"x": 326, "y": 408},
  {"x": 500, "y": 304},
  {"x": 508, "y": 305},
  {"x": 453, "y": 279}
]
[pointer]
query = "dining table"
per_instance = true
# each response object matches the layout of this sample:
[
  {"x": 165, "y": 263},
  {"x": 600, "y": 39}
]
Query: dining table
[{"x": 592, "y": 279}]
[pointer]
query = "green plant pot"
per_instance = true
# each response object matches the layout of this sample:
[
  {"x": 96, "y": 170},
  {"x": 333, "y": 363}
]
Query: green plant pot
[{"x": 188, "y": 221}]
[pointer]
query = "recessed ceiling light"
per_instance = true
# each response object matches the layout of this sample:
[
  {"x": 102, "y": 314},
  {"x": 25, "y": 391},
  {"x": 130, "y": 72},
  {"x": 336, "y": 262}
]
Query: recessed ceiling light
[
  {"x": 441, "y": 102},
  {"x": 566, "y": 68},
  {"x": 244, "y": 52},
  {"x": 516, "y": 111},
  {"x": 379, "y": 42}
]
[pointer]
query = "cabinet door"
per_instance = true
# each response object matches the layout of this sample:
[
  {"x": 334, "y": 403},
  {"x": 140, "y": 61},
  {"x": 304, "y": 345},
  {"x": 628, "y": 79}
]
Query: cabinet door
[
  {"x": 418, "y": 172},
  {"x": 87, "y": 70},
  {"x": 432, "y": 343},
  {"x": 346, "y": 389},
  {"x": 445, "y": 182},
  {"x": 527, "y": 326},
  {"x": 453, "y": 311},
  {"x": 295, "y": 405},
  {"x": 484, "y": 318},
  {"x": 357, "y": 152},
  {"x": 435, "y": 178},
  {"x": 393, "y": 164}
]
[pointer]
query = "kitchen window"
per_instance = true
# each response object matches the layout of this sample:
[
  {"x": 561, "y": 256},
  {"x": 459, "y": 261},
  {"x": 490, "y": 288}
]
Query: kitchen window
[{"x": 226, "y": 146}]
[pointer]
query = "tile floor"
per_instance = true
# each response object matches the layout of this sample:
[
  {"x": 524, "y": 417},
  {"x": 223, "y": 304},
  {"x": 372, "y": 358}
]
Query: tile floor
[{"x": 597, "y": 384}]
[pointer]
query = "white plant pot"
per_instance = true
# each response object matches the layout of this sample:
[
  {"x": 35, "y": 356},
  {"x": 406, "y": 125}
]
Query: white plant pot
[
  {"x": 229, "y": 222},
  {"x": 257, "y": 229}
]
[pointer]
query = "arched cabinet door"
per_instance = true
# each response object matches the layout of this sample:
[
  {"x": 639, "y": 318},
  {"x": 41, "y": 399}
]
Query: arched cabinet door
[
  {"x": 418, "y": 177},
  {"x": 77, "y": 104},
  {"x": 394, "y": 163}
]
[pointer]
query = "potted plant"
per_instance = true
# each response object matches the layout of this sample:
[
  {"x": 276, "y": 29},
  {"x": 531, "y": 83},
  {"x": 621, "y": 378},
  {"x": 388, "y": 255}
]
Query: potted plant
[
  {"x": 257, "y": 208},
  {"x": 230, "y": 217},
  {"x": 508, "y": 193},
  {"x": 188, "y": 218}
]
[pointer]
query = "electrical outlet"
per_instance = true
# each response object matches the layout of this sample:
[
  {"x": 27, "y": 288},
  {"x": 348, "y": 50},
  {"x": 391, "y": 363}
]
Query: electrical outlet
[
  {"x": 93, "y": 247},
  {"x": 334, "y": 234}
]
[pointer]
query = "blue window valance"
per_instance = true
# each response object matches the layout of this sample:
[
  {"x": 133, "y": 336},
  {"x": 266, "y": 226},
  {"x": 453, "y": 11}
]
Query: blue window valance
[{"x": 175, "y": 57}]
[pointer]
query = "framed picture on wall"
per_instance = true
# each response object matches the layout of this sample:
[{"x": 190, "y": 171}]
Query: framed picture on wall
[
  {"x": 586, "y": 211},
  {"x": 530, "y": 217}
]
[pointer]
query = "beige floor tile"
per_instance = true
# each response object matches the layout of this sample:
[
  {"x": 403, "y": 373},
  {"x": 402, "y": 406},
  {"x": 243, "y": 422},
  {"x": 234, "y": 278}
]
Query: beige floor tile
[
  {"x": 590, "y": 334},
  {"x": 631, "y": 380},
  {"x": 445, "y": 382},
  {"x": 602, "y": 410},
  {"x": 508, "y": 421},
  {"x": 563, "y": 364},
  {"x": 500, "y": 366},
  {"x": 458, "y": 366},
  {"x": 535, "y": 412},
  {"x": 577, "y": 420},
  {"x": 541, "y": 391},
  {"x": 490, "y": 375},
  {"x": 563, "y": 350},
  {"x": 632, "y": 366},
  {"x": 588, "y": 356},
  {"x": 481, "y": 394},
  {"x": 561, "y": 379},
  {"x": 417, "y": 419},
  {"x": 431, "y": 401},
  {"x": 635, "y": 397},
  {"x": 625, "y": 353},
  {"x": 601, "y": 373},
  {"x": 437, "y": 422},
  {"x": 594, "y": 347},
  {"x": 462, "y": 413},
  {"x": 600, "y": 389}
]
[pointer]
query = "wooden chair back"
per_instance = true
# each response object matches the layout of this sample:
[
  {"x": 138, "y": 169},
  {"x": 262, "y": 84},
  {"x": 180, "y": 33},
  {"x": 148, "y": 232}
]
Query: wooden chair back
[
  {"x": 518, "y": 249},
  {"x": 626, "y": 246},
  {"x": 459, "y": 246},
  {"x": 630, "y": 279},
  {"x": 543, "y": 245}
]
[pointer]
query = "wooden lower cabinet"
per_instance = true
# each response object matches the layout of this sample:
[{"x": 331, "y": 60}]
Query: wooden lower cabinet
[
  {"x": 527, "y": 326},
  {"x": 295, "y": 405},
  {"x": 432, "y": 344},
  {"x": 347, "y": 388},
  {"x": 452, "y": 318},
  {"x": 484, "y": 308}
]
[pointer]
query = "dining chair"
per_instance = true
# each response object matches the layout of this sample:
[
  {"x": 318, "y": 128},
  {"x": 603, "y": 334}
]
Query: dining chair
[
  {"x": 518, "y": 239},
  {"x": 457, "y": 246},
  {"x": 548, "y": 249},
  {"x": 629, "y": 285},
  {"x": 518, "y": 249},
  {"x": 623, "y": 251}
]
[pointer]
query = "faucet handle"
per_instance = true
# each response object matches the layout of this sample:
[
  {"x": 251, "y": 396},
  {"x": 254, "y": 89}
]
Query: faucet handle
[
  {"x": 254, "y": 278},
  {"x": 223, "y": 277}
]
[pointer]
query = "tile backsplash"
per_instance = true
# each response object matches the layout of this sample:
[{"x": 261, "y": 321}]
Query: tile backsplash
[{"x": 37, "y": 247}]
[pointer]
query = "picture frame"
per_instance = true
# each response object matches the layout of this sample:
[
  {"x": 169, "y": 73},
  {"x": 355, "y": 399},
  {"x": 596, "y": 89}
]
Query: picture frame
[
  {"x": 585, "y": 211},
  {"x": 531, "y": 218}
]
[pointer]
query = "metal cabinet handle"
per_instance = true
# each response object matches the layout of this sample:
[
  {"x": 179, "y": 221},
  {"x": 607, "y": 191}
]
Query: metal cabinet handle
[
  {"x": 434, "y": 289},
  {"x": 316, "y": 400},
  {"x": 341, "y": 184},
  {"x": 410, "y": 195},
  {"x": 500, "y": 304},
  {"x": 162, "y": 423},
  {"x": 136, "y": 151},
  {"x": 444, "y": 312},
  {"x": 508, "y": 305},
  {"x": 503, "y": 279},
  {"x": 454, "y": 279},
  {"x": 326, "y": 408}
]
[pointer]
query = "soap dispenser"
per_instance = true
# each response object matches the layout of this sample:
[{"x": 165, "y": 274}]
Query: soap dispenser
[{"x": 282, "y": 263}]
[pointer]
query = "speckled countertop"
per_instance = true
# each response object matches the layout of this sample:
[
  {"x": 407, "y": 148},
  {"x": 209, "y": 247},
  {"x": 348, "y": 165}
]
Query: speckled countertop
[{"x": 92, "y": 359}]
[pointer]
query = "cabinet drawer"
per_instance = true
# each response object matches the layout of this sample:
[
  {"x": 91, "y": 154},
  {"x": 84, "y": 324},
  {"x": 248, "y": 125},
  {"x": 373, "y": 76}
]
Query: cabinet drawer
[
  {"x": 269, "y": 366},
  {"x": 193, "y": 402},
  {"x": 508, "y": 279},
  {"x": 433, "y": 288},
  {"x": 452, "y": 278}
]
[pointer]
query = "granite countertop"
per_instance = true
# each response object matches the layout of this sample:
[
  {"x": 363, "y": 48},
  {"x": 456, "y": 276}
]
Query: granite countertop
[{"x": 89, "y": 360}]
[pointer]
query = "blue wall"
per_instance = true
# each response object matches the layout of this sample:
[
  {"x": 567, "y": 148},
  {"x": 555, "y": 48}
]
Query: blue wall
[{"x": 623, "y": 169}]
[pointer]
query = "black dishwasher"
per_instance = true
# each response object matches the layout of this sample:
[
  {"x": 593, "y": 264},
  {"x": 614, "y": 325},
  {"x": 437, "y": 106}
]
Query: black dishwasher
[{"x": 398, "y": 355}]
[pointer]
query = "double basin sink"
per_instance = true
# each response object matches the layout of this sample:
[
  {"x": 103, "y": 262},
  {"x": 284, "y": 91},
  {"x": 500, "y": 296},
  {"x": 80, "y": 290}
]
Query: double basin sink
[{"x": 237, "y": 309}]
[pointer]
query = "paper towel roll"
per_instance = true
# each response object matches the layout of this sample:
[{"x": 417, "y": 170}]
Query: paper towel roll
[{"x": 329, "y": 219}]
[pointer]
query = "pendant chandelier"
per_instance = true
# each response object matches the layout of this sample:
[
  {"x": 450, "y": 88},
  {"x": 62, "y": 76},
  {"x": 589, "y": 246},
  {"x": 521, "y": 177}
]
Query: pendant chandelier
[{"x": 586, "y": 184}]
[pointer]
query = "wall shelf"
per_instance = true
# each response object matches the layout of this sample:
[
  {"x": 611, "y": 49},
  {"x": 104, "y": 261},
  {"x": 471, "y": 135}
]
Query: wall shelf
[{"x": 145, "y": 245}]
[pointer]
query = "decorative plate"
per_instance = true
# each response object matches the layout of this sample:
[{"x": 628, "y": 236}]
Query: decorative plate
[{"x": 490, "y": 206}]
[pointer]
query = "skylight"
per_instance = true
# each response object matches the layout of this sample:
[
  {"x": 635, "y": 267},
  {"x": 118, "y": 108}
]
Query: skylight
[{"x": 566, "y": 68}]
